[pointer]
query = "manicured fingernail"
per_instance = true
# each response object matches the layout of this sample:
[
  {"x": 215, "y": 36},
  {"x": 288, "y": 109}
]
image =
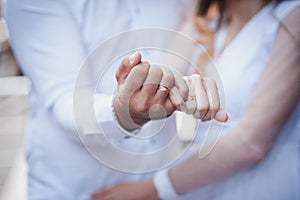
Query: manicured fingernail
[{"x": 132, "y": 58}]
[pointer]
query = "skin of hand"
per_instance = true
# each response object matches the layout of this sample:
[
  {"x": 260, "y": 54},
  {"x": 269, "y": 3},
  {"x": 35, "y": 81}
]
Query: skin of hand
[
  {"x": 143, "y": 190},
  {"x": 206, "y": 106},
  {"x": 206, "y": 102},
  {"x": 138, "y": 99}
]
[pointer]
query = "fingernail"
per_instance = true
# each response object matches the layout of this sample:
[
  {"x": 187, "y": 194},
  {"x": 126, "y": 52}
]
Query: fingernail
[
  {"x": 132, "y": 58},
  {"x": 227, "y": 119}
]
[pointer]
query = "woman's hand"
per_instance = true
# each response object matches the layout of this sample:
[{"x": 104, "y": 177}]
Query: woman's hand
[
  {"x": 143, "y": 190},
  {"x": 203, "y": 100}
]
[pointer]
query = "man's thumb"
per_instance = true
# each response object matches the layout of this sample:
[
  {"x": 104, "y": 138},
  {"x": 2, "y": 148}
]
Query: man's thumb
[{"x": 126, "y": 65}]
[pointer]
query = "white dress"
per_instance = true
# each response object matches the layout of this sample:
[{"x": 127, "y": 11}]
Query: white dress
[{"x": 277, "y": 177}]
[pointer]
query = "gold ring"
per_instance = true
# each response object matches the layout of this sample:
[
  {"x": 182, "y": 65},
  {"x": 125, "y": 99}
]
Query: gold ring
[
  {"x": 163, "y": 88},
  {"x": 191, "y": 98}
]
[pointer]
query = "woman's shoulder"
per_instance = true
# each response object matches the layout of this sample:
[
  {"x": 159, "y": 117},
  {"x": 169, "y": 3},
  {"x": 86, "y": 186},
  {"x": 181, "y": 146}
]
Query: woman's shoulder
[
  {"x": 292, "y": 19},
  {"x": 285, "y": 9},
  {"x": 289, "y": 14}
]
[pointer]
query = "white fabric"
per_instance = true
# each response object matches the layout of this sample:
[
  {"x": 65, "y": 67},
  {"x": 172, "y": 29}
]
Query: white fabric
[
  {"x": 277, "y": 176},
  {"x": 60, "y": 168},
  {"x": 164, "y": 186},
  {"x": 51, "y": 39}
]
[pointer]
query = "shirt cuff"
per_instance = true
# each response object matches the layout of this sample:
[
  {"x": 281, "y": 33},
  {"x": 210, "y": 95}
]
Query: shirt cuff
[
  {"x": 107, "y": 119},
  {"x": 128, "y": 133},
  {"x": 164, "y": 186}
]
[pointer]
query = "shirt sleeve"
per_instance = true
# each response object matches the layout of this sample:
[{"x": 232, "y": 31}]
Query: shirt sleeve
[
  {"x": 164, "y": 186},
  {"x": 47, "y": 43}
]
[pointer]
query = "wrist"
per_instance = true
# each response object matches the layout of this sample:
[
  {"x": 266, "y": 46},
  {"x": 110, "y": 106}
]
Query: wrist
[{"x": 123, "y": 116}]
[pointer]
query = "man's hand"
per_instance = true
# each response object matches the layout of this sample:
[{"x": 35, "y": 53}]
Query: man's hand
[{"x": 143, "y": 93}]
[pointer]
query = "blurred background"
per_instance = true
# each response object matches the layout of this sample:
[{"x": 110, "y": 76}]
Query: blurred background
[{"x": 14, "y": 110}]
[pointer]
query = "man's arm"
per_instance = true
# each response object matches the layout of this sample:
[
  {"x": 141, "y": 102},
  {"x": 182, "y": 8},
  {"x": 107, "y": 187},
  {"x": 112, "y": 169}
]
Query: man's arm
[{"x": 49, "y": 50}]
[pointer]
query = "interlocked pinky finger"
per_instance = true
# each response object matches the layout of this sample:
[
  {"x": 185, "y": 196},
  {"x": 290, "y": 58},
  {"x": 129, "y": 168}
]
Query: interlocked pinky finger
[
  {"x": 190, "y": 102},
  {"x": 201, "y": 97},
  {"x": 177, "y": 99},
  {"x": 213, "y": 98}
]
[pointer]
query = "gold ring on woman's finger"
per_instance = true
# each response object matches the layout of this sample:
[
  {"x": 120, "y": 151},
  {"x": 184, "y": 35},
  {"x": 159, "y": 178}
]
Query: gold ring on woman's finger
[{"x": 191, "y": 98}]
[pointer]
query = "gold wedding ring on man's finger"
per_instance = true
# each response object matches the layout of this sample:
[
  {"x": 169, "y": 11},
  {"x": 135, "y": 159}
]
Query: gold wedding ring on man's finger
[{"x": 163, "y": 88}]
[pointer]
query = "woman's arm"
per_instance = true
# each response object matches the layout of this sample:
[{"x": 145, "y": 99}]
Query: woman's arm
[{"x": 273, "y": 102}]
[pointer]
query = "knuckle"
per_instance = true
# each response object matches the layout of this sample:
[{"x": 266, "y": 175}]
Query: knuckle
[
  {"x": 145, "y": 64},
  {"x": 208, "y": 116},
  {"x": 197, "y": 115},
  {"x": 136, "y": 70},
  {"x": 196, "y": 78},
  {"x": 169, "y": 77},
  {"x": 141, "y": 106},
  {"x": 214, "y": 109},
  {"x": 184, "y": 92},
  {"x": 178, "y": 103},
  {"x": 204, "y": 120},
  {"x": 156, "y": 71},
  {"x": 202, "y": 108},
  {"x": 140, "y": 70},
  {"x": 187, "y": 79},
  {"x": 170, "y": 109}
]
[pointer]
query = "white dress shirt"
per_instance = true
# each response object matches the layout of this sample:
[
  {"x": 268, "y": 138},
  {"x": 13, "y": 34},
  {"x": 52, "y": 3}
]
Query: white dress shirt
[{"x": 51, "y": 39}]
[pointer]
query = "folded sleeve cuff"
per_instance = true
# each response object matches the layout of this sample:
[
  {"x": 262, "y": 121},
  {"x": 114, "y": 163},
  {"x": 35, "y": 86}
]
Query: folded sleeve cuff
[{"x": 164, "y": 186}]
